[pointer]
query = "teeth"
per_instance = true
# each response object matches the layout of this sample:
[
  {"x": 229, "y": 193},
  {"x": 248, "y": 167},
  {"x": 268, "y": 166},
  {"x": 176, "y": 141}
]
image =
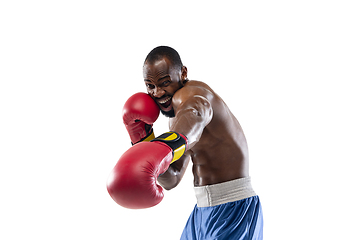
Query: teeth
[{"x": 164, "y": 101}]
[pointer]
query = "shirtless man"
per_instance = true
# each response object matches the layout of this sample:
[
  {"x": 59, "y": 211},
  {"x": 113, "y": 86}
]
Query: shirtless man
[{"x": 227, "y": 207}]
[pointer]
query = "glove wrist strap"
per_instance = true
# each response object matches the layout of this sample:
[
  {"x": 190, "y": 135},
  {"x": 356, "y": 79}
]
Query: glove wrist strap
[
  {"x": 176, "y": 141},
  {"x": 147, "y": 138}
]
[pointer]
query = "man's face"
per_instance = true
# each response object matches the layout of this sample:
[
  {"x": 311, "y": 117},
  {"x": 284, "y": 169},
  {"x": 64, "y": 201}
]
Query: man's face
[{"x": 162, "y": 81}]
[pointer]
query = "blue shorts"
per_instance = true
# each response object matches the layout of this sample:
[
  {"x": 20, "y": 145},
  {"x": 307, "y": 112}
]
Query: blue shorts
[{"x": 235, "y": 220}]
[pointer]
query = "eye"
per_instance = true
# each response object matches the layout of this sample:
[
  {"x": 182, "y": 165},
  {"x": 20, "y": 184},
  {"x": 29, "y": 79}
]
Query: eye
[
  {"x": 150, "y": 86},
  {"x": 165, "y": 83}
]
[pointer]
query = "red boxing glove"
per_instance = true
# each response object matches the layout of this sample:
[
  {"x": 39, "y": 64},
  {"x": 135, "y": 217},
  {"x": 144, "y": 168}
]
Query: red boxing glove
[
  {"x": 132, "y": 182},
  {"x": 139, "y": 113}
]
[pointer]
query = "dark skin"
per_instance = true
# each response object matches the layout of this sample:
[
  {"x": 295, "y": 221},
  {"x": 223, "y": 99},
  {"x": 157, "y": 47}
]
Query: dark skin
[{"x": 217, "y": 145}]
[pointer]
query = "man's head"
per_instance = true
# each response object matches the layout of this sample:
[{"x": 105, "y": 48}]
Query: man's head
[{"x": 164, "y": 74}]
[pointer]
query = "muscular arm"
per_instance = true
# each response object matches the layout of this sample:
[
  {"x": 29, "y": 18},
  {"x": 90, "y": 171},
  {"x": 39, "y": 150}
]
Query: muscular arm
[
  {"x": 174, "y": 174},
  {"x": 193, "y": 113},
  {"x": 192, "y": 116}
]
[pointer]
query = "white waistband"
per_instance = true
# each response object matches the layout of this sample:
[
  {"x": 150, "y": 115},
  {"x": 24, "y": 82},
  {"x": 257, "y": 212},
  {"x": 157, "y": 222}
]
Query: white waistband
[{"x": 216, "y": 194}]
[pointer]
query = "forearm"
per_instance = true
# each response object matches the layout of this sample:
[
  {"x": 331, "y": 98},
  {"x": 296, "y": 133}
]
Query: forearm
[
  {"x": 191, "y": 118},
  {"x": 174, "y": 174}
]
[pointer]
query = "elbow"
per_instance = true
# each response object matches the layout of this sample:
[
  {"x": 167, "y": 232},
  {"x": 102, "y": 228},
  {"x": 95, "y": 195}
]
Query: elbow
[
  {"x": 169, "y": 185},
  {"x": 168, "y": 180}
]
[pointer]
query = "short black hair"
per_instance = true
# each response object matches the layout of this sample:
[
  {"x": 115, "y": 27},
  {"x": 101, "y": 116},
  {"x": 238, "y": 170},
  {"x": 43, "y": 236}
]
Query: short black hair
[{"x": 165, "y": 51}]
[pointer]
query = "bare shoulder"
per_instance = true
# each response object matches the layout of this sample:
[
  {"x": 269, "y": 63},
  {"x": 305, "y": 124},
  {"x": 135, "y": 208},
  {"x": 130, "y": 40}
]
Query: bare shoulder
[{"x": 193, "y": 89}]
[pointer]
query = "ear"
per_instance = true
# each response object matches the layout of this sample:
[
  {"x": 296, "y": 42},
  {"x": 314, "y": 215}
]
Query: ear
[{"x": 184, "y": 74}]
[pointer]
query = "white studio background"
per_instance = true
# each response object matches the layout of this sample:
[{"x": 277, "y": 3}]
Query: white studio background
[{"x": 289, "y": 71}]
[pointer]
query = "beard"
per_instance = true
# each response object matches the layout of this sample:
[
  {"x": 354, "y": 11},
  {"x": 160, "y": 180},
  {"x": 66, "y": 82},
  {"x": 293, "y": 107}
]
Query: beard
[{"x": 169, "y": 114}]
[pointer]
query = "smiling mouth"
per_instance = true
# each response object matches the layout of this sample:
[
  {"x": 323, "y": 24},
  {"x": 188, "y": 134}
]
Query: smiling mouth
[
  {"x": 165, "y": 103},
  {"x": 165, "y": 100}
]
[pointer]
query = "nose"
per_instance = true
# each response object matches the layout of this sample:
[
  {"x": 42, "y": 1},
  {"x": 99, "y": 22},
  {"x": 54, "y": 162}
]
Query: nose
[{"x": 158, "y": 92}]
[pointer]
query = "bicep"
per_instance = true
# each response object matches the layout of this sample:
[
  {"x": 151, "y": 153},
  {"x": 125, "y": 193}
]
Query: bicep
[{"x": 191, "y": 117}]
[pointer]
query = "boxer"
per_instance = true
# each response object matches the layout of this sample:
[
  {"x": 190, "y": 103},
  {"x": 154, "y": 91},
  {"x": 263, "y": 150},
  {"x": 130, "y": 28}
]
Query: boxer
[{"x": 202, "y": 130}]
